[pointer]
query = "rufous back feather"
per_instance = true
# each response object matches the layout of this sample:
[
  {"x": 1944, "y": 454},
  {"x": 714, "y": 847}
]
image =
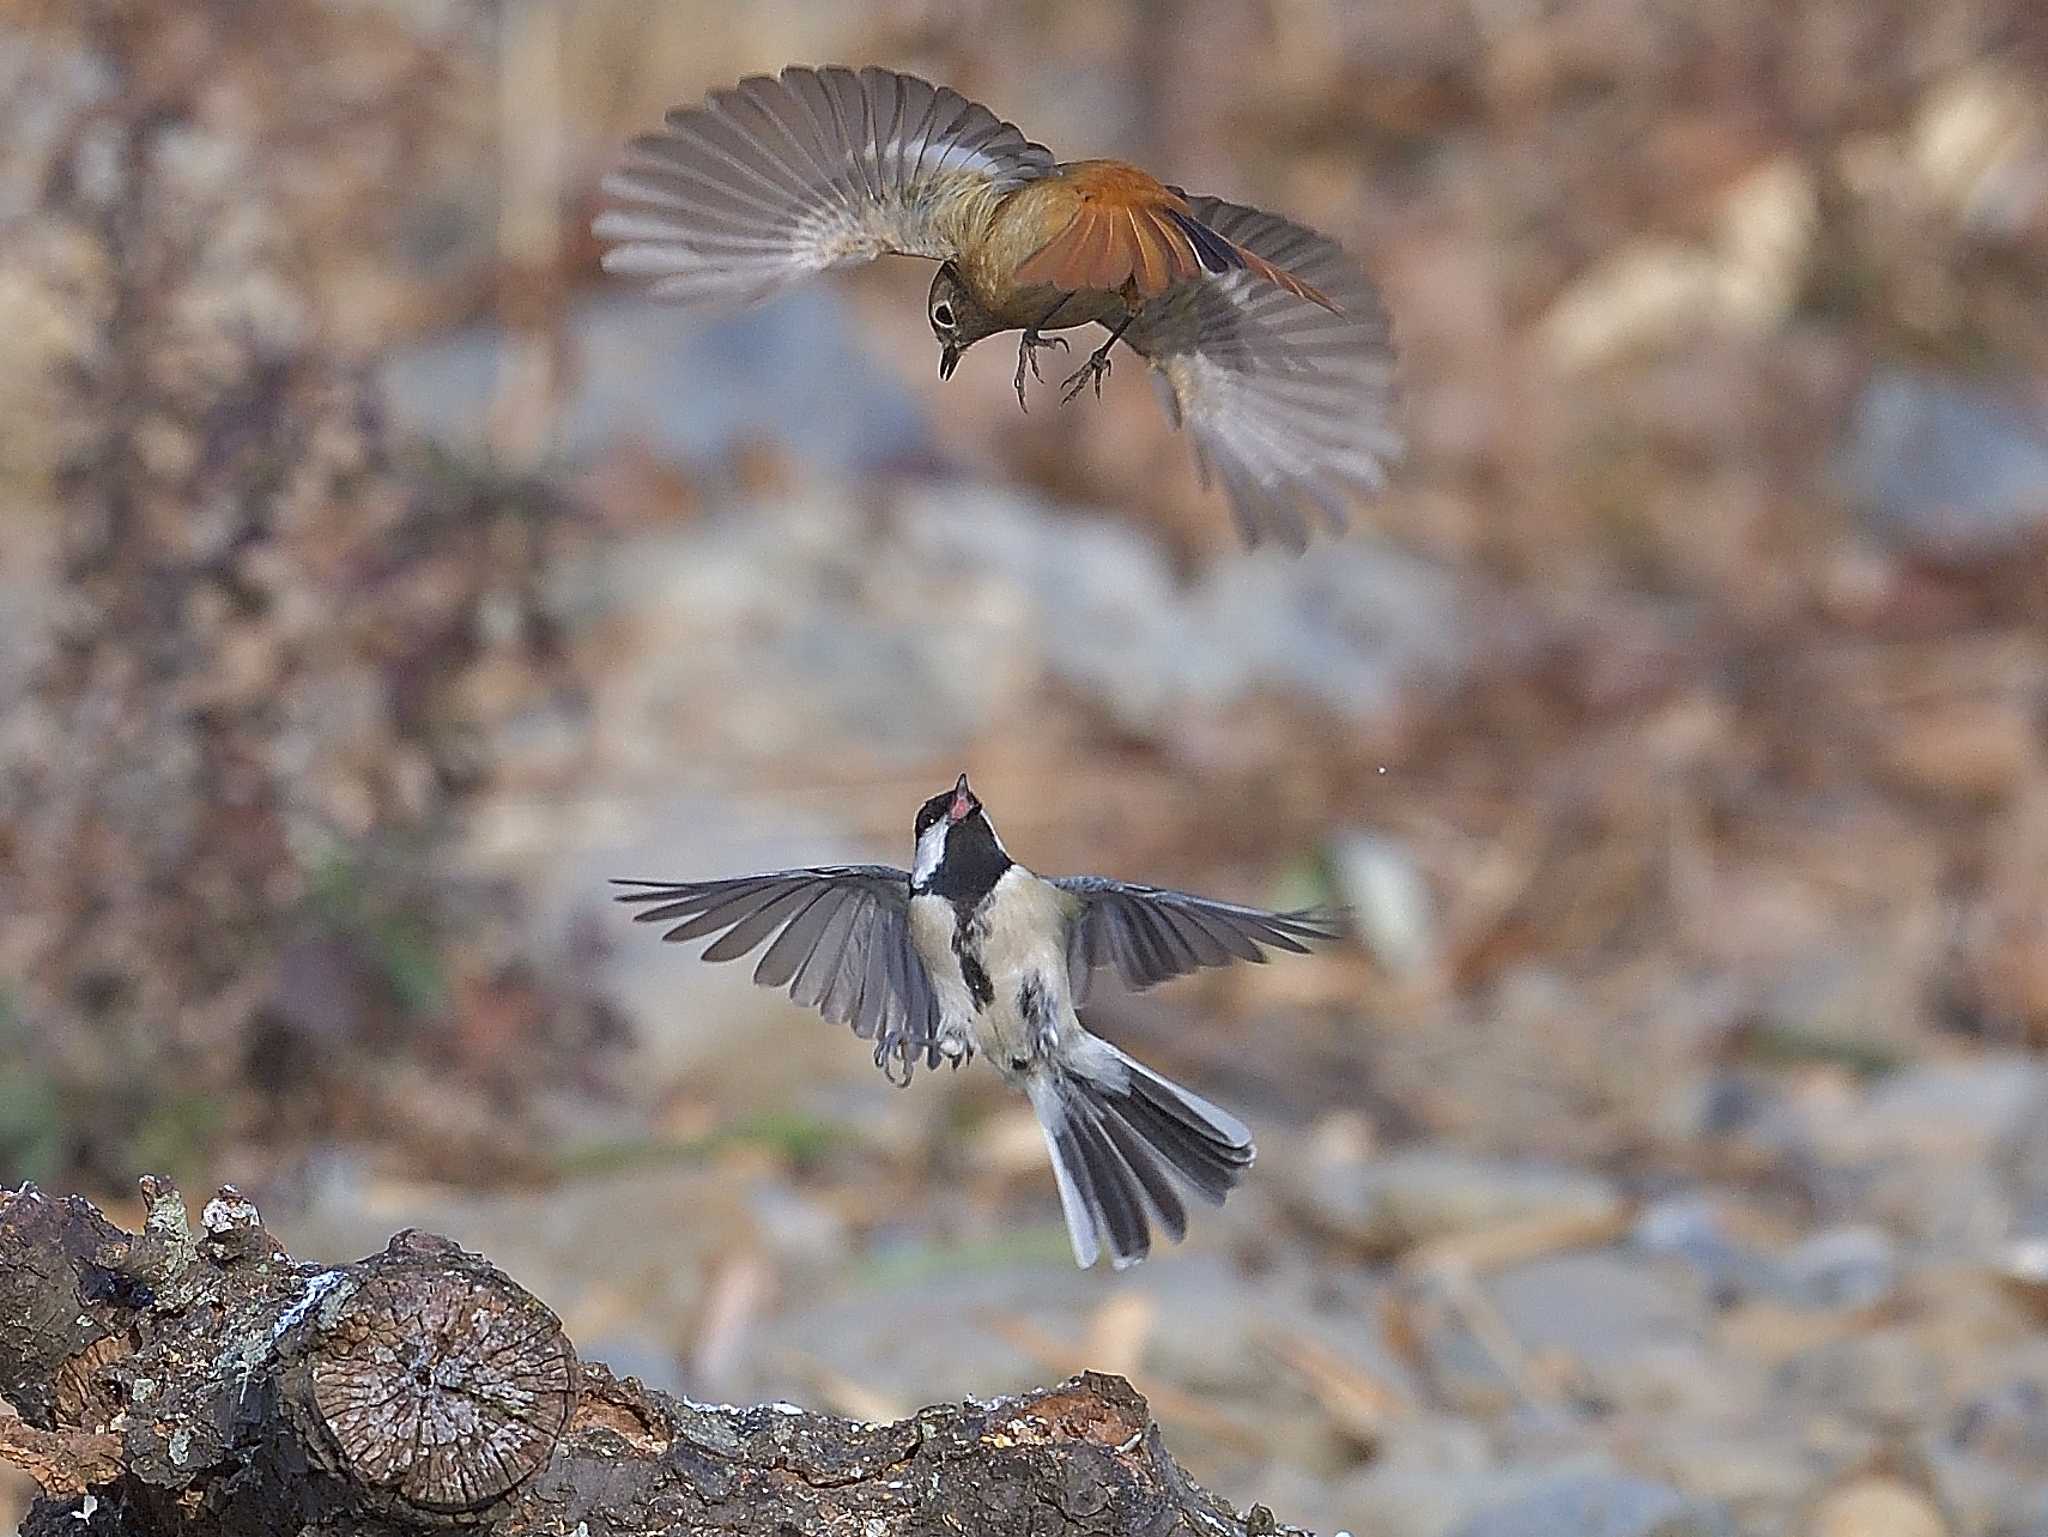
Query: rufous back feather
[{"x": 1127, "y": 228}]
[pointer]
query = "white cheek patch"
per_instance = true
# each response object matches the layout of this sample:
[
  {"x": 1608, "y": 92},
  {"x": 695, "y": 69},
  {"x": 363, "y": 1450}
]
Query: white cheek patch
[{"x": 931, "y": 848}]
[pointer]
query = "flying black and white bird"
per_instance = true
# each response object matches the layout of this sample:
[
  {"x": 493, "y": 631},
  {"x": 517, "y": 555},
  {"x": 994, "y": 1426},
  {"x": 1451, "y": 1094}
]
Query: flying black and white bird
[{"x": 967, "y": 953}]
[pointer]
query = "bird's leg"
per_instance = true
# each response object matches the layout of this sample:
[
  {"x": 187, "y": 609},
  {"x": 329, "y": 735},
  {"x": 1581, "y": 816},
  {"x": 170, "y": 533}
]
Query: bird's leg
[
  {"x": 1096, "y": 369},
  {"x": 1028, "y": 345},
  {"x": 956, "y": 1049}
]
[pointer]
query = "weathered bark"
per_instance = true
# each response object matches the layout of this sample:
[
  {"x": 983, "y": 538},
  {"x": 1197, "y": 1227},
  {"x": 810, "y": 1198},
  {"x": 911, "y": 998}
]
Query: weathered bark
[{"x": 173, "y": 1383}]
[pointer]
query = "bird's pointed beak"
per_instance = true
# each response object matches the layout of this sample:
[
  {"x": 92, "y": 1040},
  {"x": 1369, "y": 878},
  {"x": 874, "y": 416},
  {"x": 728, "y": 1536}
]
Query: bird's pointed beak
[
  {"x": 949, "y": 359},
  {"x": 962, "y": 806}
]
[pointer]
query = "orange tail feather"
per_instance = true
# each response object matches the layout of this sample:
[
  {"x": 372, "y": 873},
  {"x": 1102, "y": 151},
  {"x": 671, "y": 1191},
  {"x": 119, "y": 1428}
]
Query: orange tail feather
[{"x": 1282, "y": 278}]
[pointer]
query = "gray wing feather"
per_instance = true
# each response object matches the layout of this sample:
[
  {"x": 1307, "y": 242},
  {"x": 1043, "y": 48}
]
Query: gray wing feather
[
  {"x": 730, "y": 909},
  {"x": 764, "y": 920},
  {"x": 1286, "y": 403},
  {"x": 1149, "y": 934},
  {"x": 841, "y": 944},
  {"x": 871, "y": 981},
  {"x": 800, "y": 943},
  {"x": 1158, "y": 935},
  {"x": 824, "y": 955},
  {"x": 906, "y": 970},
  {"x": 785, "y": 176}
]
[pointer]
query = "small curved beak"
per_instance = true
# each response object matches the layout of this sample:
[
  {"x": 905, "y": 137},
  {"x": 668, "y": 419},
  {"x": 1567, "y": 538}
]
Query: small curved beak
[
  {"x": 963, "y": 802},
  {"x": 949, "y": 359}
]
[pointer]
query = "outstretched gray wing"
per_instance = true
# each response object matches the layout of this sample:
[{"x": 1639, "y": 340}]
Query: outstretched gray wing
[
  {"x": 1150, "y": 934},
  {"x": 841, "y": 945},
  {"x": 1287, "y": 403},
  {"x": 786, "y": 175}
]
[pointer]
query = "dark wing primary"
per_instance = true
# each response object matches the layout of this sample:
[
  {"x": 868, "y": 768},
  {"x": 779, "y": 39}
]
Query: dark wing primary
[
  {"x": 1150, "y": 934},
  {"x": 786, "y": 175},
  {"x": 841, "y": 945},
  {"x": 1286, "y": 402}
]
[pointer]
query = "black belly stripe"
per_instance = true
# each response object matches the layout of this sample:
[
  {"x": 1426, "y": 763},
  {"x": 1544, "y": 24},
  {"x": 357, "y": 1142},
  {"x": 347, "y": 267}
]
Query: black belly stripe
[{"x": 975, "y": 975}]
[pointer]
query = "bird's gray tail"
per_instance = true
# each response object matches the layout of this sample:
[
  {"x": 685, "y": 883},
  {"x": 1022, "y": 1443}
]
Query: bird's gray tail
[{"x": 1125, "y": 1142}]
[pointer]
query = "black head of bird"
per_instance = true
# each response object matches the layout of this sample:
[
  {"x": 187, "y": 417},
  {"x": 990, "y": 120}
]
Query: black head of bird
[
  {"x": 954, "y": 805},
  {"x": 957, "y": 850}
]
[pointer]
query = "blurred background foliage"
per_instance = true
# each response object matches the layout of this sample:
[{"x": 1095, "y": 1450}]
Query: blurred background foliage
[{"x": 375, "y": 581}]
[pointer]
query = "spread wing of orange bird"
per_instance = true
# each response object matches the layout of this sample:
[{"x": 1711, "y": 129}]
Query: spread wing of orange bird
[
  {"x": 1269, "y": 343},
  {"x": 1124, "y": 226},
  {"x": 1288, "y": 404},
  {"x": 787, "y": 175}
]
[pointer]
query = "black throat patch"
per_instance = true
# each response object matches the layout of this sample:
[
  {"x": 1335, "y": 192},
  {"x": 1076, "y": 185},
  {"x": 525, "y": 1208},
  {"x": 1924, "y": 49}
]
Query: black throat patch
[{"x": 971, "y": 866}]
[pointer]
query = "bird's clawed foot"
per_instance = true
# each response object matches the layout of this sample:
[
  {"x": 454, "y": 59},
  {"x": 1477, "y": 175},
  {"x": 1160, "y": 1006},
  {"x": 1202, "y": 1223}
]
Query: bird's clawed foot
[
  {"x": 1027, "y": 357},
  {"x": 896, "y": 1056},
  {"x": 1094, "y": 371},
  {"x": 956, "y": 1049}
]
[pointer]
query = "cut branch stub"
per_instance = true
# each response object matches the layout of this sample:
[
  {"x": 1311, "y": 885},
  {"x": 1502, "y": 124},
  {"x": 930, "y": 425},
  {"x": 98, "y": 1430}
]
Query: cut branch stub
[{"x": 444, "y": 1385}]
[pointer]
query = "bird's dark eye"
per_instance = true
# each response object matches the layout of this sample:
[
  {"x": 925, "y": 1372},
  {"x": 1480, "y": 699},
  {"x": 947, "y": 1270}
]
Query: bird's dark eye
[{"x": 942, "y": 313}]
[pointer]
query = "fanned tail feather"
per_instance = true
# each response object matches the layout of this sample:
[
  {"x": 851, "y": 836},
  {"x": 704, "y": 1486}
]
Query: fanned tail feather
[{"x": 1125, "y": 1143}]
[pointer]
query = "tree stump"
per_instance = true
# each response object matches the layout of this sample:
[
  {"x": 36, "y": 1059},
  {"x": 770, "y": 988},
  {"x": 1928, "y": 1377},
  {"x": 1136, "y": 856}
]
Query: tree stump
[{"x": 209, "y": 1386}]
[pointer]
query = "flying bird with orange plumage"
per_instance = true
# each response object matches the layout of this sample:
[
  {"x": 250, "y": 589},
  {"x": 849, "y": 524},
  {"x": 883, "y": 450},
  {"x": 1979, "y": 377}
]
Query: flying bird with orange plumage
[{"x": 1267, "y": 343}]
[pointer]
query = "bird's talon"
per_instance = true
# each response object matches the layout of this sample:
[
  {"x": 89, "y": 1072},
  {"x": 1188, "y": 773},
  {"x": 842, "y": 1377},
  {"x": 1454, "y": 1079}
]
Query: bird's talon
[
  {"x": 1028, "y": 344},
  {"x": 1094, "y": 371}
]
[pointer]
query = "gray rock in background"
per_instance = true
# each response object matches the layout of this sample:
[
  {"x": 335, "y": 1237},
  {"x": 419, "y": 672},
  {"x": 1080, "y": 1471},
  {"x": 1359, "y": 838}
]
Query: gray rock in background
[
  {"x": 1843, "y": 1267},
  {"x": 1389, "y": 1203},
  {"x": 800, "y": 624},
  {"x": 1947, "y": 468},
  {"x": 1594, "y": 1506},
  {"x": 1690, "y": 1228},
  {"x": 1850, "y": 1266},
  {"x": 1597, "y": 1305},
  {"x": 1882, "y": 1377},
  {"x": 1424, "y": 1485},
  {"x": 1961, "y": 1109},
  {"x": 1349, "y": 625},
  {"x": 688, "y": 388},
  {"x": 2021, "y": 1158}
]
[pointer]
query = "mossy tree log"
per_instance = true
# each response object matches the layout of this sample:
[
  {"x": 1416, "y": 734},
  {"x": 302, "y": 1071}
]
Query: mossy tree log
[{"x": 186, "y": 1384}]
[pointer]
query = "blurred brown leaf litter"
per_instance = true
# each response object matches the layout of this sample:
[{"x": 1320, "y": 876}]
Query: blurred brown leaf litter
[
  {"x": 375, "y": 583},
  {"x": 270, "y": 651}
]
